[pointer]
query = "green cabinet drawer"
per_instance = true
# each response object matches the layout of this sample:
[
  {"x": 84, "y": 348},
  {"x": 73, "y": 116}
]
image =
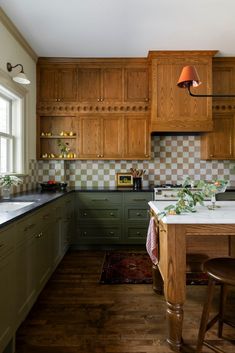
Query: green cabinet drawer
[
  {"x": 136, "y": 214},
  {"x": 226, "y": 196},
  {"x": 89, "y": 213},
  {"x": 99, "y": 198},
  {"x": 101, "y": 234},
  {"x": 137, "y": 232},
  {"x": 138, "y": 198}
]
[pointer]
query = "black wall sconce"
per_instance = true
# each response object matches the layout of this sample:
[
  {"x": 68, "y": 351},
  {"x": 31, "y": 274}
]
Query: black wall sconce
[{"x": 20, "y": 77}]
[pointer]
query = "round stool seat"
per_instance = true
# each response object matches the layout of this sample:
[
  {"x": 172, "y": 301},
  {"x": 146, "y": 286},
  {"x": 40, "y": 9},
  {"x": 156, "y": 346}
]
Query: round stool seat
[{"x": 221, "y": 269}]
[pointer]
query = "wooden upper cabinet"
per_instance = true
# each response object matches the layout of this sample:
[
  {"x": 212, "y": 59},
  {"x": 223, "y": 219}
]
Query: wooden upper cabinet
[
  {"x": 89, "y": 84},
  {"x": 101, "y": 137},
  {"x": 112, "y": 137},
  {"x": 90, "y": 137},
  {"x": 136, "y": 84},
  {"x": 99, "y": 84},
  {"x": 57, "y": 83},
  {"x": 220, "y": 144},
  {"x": 173, "y": 109},
  {"x": 137, "y": 137},
  {"x": 223, "y": 77}
]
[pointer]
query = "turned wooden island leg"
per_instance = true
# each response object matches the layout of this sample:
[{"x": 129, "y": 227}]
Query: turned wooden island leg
[
  {"x": 175, "y": 284},
  {"x": 174, "y": 316}
]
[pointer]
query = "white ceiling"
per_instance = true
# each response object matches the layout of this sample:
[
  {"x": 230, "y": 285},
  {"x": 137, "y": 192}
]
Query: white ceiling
[{"x": 123, "y": 28}]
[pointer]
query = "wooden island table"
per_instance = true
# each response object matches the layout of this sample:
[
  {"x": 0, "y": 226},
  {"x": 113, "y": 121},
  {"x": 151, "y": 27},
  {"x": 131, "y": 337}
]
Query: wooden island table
[{"x": 174, "y": 232}]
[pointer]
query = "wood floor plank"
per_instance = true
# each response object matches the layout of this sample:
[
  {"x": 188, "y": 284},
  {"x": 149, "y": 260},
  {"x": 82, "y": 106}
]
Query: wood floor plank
[{"x": 76, "y": 314}]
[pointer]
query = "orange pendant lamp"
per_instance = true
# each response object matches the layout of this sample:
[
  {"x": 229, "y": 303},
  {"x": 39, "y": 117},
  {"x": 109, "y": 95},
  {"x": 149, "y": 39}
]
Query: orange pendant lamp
[{"x": 190, "y": 78}]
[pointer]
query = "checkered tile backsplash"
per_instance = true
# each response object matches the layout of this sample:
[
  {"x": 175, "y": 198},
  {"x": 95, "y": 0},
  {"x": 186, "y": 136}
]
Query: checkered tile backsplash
[{"x": 173, "y": 158}]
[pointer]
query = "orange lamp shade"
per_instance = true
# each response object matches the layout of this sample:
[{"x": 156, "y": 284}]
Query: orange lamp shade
[{"x": 188, "y": 77}]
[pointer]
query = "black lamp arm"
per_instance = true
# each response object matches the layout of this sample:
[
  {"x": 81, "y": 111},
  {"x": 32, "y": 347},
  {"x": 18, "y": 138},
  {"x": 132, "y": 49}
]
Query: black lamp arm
[
  {"x": 10, "y": 67},
  {"x": 210, "y": 95}
]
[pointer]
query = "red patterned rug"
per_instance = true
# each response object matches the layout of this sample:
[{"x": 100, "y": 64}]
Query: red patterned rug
[{"x": 136, "y": 268}]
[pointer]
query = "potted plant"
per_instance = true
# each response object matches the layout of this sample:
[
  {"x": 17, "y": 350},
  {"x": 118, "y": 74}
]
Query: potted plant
[
  {"x": 64, "y": 148},
  {"x": 6, "y": 181}
]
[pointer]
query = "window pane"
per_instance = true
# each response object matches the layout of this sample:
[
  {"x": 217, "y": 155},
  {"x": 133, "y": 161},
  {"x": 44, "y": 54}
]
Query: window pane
[
  {"x": 4, "y": 115},
  {"x": 3, "y": 155}
]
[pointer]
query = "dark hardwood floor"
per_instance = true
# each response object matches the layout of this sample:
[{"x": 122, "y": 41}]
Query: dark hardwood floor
[{"x": 76, "y": 314}]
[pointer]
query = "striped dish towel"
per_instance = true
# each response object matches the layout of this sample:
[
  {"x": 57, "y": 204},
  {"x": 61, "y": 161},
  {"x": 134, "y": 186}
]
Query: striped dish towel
[{"x": 152, "y": 242}]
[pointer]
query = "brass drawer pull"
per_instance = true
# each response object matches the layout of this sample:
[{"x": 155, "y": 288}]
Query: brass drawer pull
[
  {"x": 30, "y": 226},
  {"x": 111, "y": 233},
  {"x": 138, "y": 214},
  {"x": 39, "y": 235},
  {"x": 111, "y": 214},
  {"x": 46, "y": 216},
  {"x": 99, "y": 200}
]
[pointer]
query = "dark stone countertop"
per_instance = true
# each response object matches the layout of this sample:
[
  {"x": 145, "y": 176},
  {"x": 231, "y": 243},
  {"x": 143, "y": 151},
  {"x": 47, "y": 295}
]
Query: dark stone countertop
[
  {"x": 38, "y": 198},
  {"x": 41, "y": 198},
  {"x": 113, "y": 189}
]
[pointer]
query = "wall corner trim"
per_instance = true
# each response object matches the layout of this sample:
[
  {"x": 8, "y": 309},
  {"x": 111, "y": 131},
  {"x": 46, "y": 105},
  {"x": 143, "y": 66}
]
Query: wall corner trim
[{"x": 16, "y": 34}]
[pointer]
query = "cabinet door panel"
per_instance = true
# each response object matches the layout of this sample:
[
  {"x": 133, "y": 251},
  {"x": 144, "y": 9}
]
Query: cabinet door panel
[
  {"x": 47, "y": 84},
  {"x": 68, "y": 84},
  {"x": 6, "y": 300},
  {"x": 219, "y": 144},
  {"x": 89, "y": 85},
  {"x": 173, "y": 109},
  {"x": 25, "y": 278},
  {"x": 112, "y": 141},
  {"x": 112, "y": 85},
  {"x": 136, "y": 85},
  {"x": 90, "y": 137},
  {"x": 137, "y": 139}
]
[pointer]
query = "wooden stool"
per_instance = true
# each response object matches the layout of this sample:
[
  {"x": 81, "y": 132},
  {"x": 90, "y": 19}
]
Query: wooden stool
[{"x": 222, "y": 271}]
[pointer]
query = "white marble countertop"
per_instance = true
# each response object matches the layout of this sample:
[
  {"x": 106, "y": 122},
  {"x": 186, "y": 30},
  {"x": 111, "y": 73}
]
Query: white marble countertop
[{"x": 225, "y": 214}]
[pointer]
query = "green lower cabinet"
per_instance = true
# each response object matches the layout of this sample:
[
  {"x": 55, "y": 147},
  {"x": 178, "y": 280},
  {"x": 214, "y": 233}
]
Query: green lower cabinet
[
  {"x": 136, "y": 233},
  {"x": 7, "y": 286},
  {"x": 107, "y": 218},
  {"x": 100, "y": 235}
]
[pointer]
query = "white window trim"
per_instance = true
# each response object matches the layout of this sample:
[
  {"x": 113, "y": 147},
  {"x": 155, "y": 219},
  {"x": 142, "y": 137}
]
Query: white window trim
[{"x": 21, "y": 92}]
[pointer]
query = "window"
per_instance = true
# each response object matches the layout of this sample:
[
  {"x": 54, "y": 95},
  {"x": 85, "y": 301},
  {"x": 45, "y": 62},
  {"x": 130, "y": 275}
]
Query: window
[{"x": 11, "y": 132}]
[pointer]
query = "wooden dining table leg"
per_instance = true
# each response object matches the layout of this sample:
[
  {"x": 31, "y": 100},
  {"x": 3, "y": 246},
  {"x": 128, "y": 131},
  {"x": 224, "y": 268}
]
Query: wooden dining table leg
[{"x": 175, "y": 285}]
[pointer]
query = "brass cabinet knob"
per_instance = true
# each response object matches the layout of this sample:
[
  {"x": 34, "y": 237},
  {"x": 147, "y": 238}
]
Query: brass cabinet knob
[
  {"x": 101, "y": 99},
  {"x": 98, "y": 99}
]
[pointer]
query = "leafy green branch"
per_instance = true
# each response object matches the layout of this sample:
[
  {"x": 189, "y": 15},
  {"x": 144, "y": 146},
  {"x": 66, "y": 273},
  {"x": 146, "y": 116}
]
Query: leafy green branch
[{"x": 187, "y": 199}]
